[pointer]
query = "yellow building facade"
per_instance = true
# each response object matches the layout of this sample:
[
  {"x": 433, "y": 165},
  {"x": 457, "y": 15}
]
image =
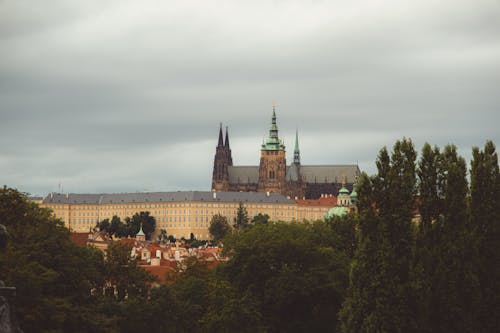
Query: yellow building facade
[{"x": 180, "y": 213}]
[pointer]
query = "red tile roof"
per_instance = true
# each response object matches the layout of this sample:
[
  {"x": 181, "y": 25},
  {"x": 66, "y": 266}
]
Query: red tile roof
[
  {"x": 326, "y": 201},
  {"x": 79, "y": 238}
]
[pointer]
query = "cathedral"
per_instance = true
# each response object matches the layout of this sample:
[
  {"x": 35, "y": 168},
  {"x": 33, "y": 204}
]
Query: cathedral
[{"x": 296, "y": 181}]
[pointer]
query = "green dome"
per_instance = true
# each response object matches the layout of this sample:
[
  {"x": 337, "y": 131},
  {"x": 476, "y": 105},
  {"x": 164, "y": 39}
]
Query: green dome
[
  {"x": 336, "y": 211},
  {"x": 343, "y": 191}
]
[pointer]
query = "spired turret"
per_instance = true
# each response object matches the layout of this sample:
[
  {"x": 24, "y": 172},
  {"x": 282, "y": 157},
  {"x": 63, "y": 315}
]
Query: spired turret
[
  {"x": 296, "y": 151},
  {"x": 273, "y": 142}
]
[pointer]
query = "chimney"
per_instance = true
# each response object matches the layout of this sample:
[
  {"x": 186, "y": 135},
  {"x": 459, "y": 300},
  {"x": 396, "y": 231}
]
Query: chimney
[
  {"x": 215, "y": 195},
  {"x": 267, "y": 193}
]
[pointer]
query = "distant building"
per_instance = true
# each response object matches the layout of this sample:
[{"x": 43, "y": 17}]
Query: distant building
[
  {"x": 346, "y": 202},
  {"x": 180, "y": 213},
  {"x": 274, "y": 175}
]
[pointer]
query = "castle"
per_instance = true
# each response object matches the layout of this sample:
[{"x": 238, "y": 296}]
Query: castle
[{"x": 274, "y": 175}]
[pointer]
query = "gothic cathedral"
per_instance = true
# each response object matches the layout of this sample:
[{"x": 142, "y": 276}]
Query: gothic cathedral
[{"x": 273, "y": 174}]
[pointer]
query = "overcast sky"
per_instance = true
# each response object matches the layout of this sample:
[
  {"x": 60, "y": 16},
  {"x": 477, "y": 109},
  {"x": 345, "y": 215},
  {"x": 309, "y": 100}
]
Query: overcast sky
[{"x": 115, "y": 96}]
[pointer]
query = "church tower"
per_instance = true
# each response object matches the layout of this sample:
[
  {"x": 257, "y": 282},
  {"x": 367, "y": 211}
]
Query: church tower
[
  {"x": 272, "y": 168},
  {"x": 223, "y": 159}
]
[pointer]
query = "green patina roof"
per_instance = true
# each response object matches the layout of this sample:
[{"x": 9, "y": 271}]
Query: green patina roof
[
  {"x": 336, "y": 211},
  {"x": 273, "y": 142},
  {"x": 343, "y": 191}
]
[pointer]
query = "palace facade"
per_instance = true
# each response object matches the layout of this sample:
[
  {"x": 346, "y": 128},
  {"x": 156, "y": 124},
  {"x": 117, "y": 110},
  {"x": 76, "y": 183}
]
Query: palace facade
[
  {"x": 180, "y": 213},
  {"x": 274, "y": 175}
]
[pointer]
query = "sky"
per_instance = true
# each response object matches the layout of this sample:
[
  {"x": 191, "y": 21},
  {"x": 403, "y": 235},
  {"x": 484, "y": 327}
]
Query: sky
[{"x": 101, "y": 96}]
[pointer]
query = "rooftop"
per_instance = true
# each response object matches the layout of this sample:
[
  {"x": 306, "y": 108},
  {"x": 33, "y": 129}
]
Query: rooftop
[{"x": 180, "y": 196}]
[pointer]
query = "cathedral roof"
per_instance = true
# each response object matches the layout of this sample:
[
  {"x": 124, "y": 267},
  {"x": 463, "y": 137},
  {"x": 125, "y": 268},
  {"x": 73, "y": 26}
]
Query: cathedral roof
[
  {"x": 310, "y": 173},
  {"x": 330, "y": 173},
  {"x": 243, "y": 174}
]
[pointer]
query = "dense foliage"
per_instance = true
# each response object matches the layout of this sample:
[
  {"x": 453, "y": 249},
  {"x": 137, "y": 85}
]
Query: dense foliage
[
  {"x": 380, "y": 270},
  {"x": 130, "y": 227}
]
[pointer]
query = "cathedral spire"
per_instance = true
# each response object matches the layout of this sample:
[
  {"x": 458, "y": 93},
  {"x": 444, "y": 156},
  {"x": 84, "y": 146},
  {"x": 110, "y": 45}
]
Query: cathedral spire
[
  {"x": 221, "y": 142},
  {"x": 296, "y": 151},
  {"x": 273, "y": 142},
  {"x": 227, "y": 139}
]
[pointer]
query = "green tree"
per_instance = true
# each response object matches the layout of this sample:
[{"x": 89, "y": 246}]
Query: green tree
[
  {"x": 219, "y": 227},
  {"x": 380, "y": 288},
  {"x": 260, "y": 219},
  {"x": 53, "y": 276},
  {"x": 241, "y": 219},
  {"x": 485, "y": 220},
  {"x": 454, "y": 294},
  {"x": 292, "y": 271},
  {"x": 122, "y": 273},
  {"x": 134, "y": 223},
  {"x": 430, "y": 204},
  {"x": 162, "y": 237}
]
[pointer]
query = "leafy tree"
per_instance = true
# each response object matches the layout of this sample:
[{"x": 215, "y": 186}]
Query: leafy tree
[
  {"x": 260, "y": 219},
  {"x": 104, "y": 225},
  {"x": 430, "y": 203},
  {"x": 485, "y": 220},
  {"x": 230, "y": 311},
  {"x": 54, "y": 277},
  {"x": 454, "y": 282},
  {"x": 241, "y": 219},
  {"x": 122, "y": 273},
  {"x": 162, "y": 237},
  {"x": 219, "y": 227},
  {"x": 344, "y": 232},
  {"x": 134, "y": 223},
  {"x": 380, "y": 286},
  {"x": 292, "y": 271}
]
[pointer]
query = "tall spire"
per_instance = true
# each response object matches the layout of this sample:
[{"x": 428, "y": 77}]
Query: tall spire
[
  {"x": 227, "y": 139},
  {"x": 273, "y": 142},
  {"x": 221, "y": 142},
  {"x": 296, "y": 151}
]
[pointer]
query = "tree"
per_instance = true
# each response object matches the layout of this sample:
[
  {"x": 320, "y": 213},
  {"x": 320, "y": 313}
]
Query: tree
[
  {"x": 430, "y": 204},
  {"x": 219, "y": 227},
  {"x": 104, "y": 225},
  {"x": 260, "y": 219},
  {"x": 147, "y": 221},
  {"x": 485, "y": 224},
  {"x": 292, "y": 271},
  {"x": 53, "y": 276},
  {"x": 454, "y": 294},
  {"x": 241, "y": 219},
  {"x": 162, "y": 237},
  {"x": 123, "y": 274},
  {"x": 380, "y": 285}
]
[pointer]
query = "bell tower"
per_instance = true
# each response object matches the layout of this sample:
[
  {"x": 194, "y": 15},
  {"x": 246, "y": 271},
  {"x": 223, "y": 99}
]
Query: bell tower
[{"x": 272, "y": 168}]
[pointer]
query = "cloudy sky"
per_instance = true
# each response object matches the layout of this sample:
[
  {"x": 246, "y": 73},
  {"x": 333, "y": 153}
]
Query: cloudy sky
[{"x": 107, "y": 96}]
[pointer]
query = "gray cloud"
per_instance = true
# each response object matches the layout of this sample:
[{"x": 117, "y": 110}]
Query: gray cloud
[{"x": 127, "y": 95}]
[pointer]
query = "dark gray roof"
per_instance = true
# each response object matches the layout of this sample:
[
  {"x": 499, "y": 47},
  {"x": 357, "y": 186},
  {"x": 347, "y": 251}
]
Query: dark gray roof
[
  {"x": 310, "y": 173},
  {"x": 243, "y": 174},
  {"x": 75, "y": 198},
  {"x": 330, "y": 173}
]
